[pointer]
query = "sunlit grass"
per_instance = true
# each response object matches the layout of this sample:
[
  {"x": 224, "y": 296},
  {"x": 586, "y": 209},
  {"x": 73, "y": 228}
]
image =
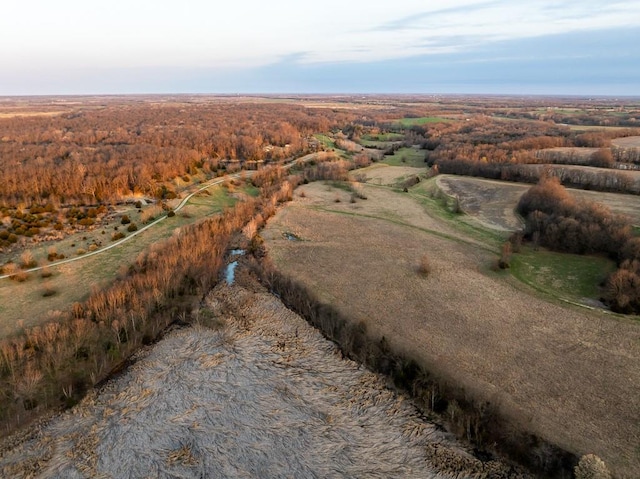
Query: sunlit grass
[
  {"x": 564, "y": 275},
  {"x": 406, "y": 157},
  {"x": 422, "y": 120}
]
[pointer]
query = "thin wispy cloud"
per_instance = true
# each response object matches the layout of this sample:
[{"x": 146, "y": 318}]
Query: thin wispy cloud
[
  {"x": 477, "y": 23},
  {"x": 415, "y": 20}
]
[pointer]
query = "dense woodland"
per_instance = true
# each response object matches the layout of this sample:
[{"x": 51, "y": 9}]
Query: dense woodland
[
  {"x": 57, "y": 172},
  {"x": 98, "y": 155}
]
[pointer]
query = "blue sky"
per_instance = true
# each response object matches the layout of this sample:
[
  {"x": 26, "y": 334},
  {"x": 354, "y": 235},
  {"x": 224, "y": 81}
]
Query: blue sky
[{"x": 585, "y": 47}]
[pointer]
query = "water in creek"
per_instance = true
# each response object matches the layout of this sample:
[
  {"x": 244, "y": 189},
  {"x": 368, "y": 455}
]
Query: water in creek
[
  {"x": 262, "y": 395},
  {"x": 230, "y": 270}
]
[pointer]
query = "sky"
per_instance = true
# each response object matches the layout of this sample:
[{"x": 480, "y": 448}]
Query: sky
[{"x": 585, "y": 47}]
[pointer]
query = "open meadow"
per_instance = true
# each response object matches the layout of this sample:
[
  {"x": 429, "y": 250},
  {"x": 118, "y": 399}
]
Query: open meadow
[{"x": 484, "y": 331}]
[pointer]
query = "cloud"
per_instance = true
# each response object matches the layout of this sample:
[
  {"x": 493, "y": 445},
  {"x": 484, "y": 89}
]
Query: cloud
[
  {"x": 414, "y": 21},
  {"x": 484, "y": 22}
]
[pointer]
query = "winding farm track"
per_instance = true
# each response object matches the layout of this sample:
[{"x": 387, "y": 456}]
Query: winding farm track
[{"x": 207, "y": 185}]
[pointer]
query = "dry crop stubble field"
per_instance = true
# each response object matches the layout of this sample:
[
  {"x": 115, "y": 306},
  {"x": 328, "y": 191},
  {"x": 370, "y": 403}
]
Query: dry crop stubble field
[
  {"x": 493, "y": 202},
  {"x": 565, "y": 373}
]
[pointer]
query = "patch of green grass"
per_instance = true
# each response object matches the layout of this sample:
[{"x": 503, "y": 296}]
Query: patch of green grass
[
  {"x": 210, "y": 201},
  {"x": 374, "y": 144},
  {"x": 406, "y": 157},
  {"x": 568, "y": 276},
  {"x": 251, "y": 190},
  {"x": 325, "y": 140},
  {"x": 439, "y": 205},
  {"x": 422, "y": 120},
  {"x": 383, "y": 137}
]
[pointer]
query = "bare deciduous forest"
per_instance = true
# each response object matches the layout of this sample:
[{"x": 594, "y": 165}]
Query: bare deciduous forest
[{"x": 66, "y": 164}]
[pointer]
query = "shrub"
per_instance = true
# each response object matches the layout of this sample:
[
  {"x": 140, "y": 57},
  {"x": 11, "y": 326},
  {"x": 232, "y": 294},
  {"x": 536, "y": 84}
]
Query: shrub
[
  {"x": 48, "y": 291},
  {"x": 424, "y": 265},
  {"x": 151, "y": 213},
  {"x": 81, "y": 251},
  {"x": 27, "y": 260},
  {"x": 117, "y": 236},
  {"x": 505, "y": 256},
  {"x": 15, "y": 273},
  {"x": 125, "y": 220},
  {"x": 516, "y": 241},
  {"x": 171, "y": 214},
  {"x": 132, "y": 227},
  {"x": 591, "y": 466}
]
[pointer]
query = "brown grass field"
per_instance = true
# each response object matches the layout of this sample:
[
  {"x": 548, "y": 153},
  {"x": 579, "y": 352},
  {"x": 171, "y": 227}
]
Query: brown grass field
[
  {"x": 30, "y": 113},
  {"x": 627, "y": 142},
  {"x": 566, "y": 373},
  {"x": 385, "y": 175}
]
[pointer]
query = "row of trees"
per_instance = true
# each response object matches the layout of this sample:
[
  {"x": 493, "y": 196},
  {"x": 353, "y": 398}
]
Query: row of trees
[
  {"x": 582, "y": 178},
  {"x": 485, "y": 139}
]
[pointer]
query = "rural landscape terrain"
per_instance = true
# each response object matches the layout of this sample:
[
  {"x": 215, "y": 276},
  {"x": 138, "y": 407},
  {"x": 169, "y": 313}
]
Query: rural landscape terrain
[{"x": 320, "y": 286}]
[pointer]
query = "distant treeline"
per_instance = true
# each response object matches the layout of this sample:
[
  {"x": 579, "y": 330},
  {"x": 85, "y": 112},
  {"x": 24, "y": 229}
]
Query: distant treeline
[{"x": 509, "y": 150}]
